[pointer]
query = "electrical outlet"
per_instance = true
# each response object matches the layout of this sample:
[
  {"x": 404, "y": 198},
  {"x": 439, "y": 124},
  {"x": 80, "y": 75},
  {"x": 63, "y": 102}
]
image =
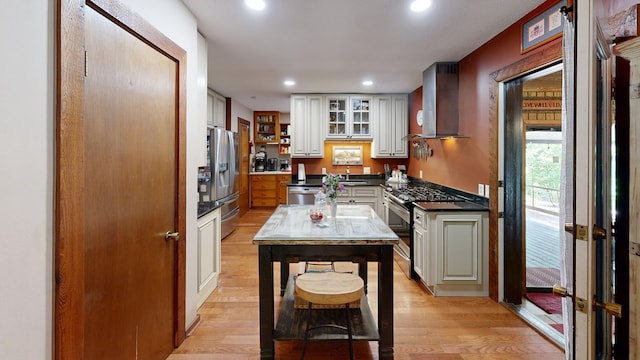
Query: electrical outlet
[
  {"x": 366, "y": 170},
  {"x": 420, "y": 174},
  {"x": 481, "y": 189},
  {"x": 324, "y": 171},
  {"x": 486, "y": 190}
]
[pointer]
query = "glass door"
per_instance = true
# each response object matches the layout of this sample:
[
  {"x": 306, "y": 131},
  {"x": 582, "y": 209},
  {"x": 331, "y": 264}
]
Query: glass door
[
  {"x": 337, "y": 113},
  {"x": 360, "y": 117}
]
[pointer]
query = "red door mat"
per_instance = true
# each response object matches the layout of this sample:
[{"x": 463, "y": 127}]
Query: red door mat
[
  {"x": 558, "y": 327},
  {"x": 548, "y": 302}
]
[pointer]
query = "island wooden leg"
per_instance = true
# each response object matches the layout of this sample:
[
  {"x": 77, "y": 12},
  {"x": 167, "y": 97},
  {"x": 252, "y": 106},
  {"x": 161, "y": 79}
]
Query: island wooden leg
[
  {"x": 363, "y": 271},
  {"x": 265, "y": 271},
  {"x": 284, "y": 275},
  {"x": 385, "y": 303}
]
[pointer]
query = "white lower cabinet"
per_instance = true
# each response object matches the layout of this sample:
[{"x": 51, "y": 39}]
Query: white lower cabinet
[
  {"x": 450, "y": 252},
  {"x": 362, "y": 195},
  {"x": 208, "y": 255}
]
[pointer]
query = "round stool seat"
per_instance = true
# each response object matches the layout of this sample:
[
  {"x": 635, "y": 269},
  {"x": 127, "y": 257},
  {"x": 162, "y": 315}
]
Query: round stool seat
[{"x": 329, "y": 288}]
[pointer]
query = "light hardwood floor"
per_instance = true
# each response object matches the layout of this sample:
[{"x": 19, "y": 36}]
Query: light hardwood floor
[{"x": 426, "y": 327}]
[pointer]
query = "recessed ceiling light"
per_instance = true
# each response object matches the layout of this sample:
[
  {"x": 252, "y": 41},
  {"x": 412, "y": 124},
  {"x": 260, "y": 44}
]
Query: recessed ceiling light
[
  {"x": 420, "y": 5},
  {"x": 367, "y": 83},
  {"x": 255, "y": 4},
  {"x": 289, "y": 82}
]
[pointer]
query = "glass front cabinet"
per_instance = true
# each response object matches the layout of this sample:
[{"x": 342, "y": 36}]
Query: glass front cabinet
[{"x": 349, "y": 117}]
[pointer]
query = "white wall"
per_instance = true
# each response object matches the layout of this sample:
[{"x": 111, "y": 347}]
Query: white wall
[
  {"x": 27, "y": 165},
  {"x": 26, "y": 179},
  {"x": 240, "y": 111}
]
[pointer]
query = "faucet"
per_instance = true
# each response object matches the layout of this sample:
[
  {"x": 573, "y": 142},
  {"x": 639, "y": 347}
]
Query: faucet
[{"x": 348, "y": 173}]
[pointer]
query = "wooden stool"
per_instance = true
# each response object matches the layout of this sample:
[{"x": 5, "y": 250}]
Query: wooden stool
[{"x": 329, "y": 288}]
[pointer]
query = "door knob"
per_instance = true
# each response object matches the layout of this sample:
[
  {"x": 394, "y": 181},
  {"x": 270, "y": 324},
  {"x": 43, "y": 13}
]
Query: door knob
[
  {"x": 611, "y": 308},
  {"x": 599, "y": 233},
  {"x": 172, "y": 235},
  {"x": 560, "y": 291}
]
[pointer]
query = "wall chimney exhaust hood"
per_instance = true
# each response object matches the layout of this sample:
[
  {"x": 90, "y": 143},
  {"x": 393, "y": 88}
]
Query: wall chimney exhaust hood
[{"x": 440, "y": 101}]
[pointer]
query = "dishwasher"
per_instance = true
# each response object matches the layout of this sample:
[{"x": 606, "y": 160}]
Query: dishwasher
[{"x": 304, "y": 195}]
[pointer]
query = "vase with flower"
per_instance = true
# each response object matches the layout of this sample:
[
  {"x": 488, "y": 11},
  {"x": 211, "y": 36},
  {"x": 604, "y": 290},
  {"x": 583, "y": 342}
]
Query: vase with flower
[{"x": 332, "y": 188}]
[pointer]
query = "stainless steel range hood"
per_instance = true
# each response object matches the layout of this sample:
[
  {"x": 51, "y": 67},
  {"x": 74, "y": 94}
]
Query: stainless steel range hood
[{"x": 440, "y": 100}]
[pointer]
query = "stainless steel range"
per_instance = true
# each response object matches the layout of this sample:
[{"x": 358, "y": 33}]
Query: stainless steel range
[{"x": 398, "y": 214}]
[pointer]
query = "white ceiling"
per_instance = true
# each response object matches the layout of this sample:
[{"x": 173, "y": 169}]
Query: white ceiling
[{"x": 331, "y": 46}]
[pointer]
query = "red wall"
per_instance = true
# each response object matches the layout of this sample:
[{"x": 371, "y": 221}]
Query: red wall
[
  {"x": 460, "y": 163},
  {"x": 463, "y": 163}
]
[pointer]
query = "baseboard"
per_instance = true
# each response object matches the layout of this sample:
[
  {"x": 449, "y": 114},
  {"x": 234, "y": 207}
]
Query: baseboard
[{"x": 193, "y": 326}]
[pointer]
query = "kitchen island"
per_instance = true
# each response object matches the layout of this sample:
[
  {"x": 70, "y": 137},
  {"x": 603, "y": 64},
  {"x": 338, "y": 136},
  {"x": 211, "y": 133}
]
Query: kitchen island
[{"x": 356, "y": 234}]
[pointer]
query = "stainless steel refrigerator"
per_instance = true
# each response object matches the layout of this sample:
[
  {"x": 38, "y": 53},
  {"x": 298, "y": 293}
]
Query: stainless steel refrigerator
[{"x": 225, "y": 176}]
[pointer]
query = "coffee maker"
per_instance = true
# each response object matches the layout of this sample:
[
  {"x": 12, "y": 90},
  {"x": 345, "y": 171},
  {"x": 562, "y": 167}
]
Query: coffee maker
[
  {"x": 260, "y": 160},
  {"x": 259, "y": 165},
  {"x": 272, "y": 164},
  {"x": 284, "y": 165}
]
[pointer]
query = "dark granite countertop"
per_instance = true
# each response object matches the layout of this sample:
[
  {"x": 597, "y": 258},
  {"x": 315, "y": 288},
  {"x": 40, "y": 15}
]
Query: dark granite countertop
[
  {"x": 354, "y": 180},
  {"x": 206, "y": 207}
]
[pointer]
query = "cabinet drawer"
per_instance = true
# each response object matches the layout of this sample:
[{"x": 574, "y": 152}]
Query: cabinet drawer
[
  {"x": 263, "y": 178},
  {"x": 365, "y": 191},
  {"x": 346, "y": 193},
  {"x": 271, "y": 185},
  {"x": 419, "y": 218},
  {"x": 263, "y": 202},
  {"x": 260, "y": 193}
]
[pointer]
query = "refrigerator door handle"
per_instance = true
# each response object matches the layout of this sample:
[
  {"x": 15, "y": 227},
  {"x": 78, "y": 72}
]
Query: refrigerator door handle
[
  {"x": 231, "y": 198},
  {"x": 229, "y": 215}
]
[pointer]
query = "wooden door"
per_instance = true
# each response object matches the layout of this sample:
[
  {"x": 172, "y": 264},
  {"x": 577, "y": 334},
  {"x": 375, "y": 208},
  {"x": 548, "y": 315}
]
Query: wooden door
[
  {"x": 244, "y": 138},
  {"x": 120, "y": 168}
]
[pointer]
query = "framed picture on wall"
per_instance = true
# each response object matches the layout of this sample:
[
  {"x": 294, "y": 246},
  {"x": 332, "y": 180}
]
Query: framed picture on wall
[
  {"x": 543, "y": 28},
  {"x": 347, "y": 155}
]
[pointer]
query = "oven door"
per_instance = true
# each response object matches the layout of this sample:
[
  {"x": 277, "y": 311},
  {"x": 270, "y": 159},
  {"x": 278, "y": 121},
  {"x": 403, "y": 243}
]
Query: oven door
[{"x": 398, "y": 218}]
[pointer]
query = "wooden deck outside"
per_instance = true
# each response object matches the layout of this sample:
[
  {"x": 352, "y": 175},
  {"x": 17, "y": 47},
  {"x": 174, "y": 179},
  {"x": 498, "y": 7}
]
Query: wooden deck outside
[{"x": 542, "y": 249}]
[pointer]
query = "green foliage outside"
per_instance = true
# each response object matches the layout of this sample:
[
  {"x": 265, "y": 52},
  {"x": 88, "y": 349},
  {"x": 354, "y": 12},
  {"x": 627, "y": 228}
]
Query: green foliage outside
[{"x": 542, "y": 174}]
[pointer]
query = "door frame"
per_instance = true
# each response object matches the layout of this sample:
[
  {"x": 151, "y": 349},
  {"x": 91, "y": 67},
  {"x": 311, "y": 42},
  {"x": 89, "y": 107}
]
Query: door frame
[
  {"x": 69, "y": 172},
  {"x": 550, "y": 54},
  {"x": 515, "y": 209},
  {"x": 245, "y": 163}
]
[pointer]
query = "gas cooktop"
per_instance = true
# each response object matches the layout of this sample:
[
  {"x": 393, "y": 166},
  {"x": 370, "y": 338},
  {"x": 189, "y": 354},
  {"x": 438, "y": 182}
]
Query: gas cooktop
[{"x": 421, "y": 193}]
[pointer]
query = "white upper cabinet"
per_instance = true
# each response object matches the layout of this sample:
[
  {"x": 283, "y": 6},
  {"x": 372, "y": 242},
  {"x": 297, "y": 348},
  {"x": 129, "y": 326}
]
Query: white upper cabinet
[
  {"x": 349, "y": 117},
  {"x": 391, "y": 127},
  {"x": 216, "y": 110},
  {"x": 307, "y": 126}
]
